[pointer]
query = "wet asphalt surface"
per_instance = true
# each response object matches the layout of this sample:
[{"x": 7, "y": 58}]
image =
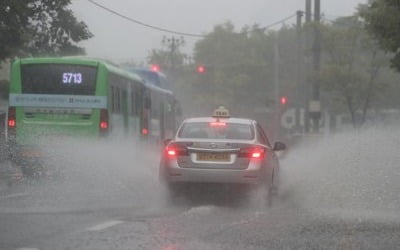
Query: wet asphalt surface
[{"x": 110, "y": 198}]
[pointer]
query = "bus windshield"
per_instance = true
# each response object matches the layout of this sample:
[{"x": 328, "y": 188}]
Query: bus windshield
[{"x": 61, "y": 79}]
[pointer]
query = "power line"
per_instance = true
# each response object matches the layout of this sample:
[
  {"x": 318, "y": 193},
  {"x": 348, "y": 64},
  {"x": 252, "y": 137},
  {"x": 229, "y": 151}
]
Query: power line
[
  {"x": 279, "y": 22},
  {"x": 173, "y": 31},
  {"x": 144, "y": 24}
]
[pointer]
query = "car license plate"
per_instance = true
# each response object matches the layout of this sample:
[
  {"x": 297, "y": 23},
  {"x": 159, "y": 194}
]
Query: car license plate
[{"x": 222, "y": 157}]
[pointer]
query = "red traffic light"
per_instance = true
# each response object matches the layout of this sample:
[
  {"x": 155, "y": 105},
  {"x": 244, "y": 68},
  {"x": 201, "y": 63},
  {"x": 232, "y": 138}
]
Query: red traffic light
[
  {"x": 201, "y": 69},
  {"x": 155, "y": 67},
  {"x": 283, "y": 100}
]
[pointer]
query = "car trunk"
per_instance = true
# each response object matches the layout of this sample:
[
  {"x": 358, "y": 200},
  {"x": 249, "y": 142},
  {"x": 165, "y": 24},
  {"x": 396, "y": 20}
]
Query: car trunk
[{"x": 213, "y": 155}]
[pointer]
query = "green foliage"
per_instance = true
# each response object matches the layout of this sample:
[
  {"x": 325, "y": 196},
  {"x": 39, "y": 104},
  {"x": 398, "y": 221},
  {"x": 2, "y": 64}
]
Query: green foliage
[
  {"x": 13, "y": 19},
  {"x": 382, "y": 19},
  {"x": 239, "y": 69},
  {"x": 39, "y": 27},
  {"x": 166, "y": 59},
  {"x": 170, "y": 57},
  {"x": 351, "y": 71},
  {"x": 354, "y": 75}
]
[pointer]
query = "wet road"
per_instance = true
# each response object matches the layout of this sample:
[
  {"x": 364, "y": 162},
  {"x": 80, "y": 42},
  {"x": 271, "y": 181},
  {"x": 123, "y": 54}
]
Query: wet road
[
  {"x": 199, "y": 227},
  {"x": 113, "y": 201}
]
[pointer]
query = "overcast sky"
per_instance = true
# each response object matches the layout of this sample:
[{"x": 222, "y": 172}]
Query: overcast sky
[{"x": 118, "y": 39}]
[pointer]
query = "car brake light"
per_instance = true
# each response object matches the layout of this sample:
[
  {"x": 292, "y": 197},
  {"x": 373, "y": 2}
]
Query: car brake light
[
  {"x": 11, "y": 120},
  {"x": 256, "y": 155},
  {"x": 145, "y": 131},
  {"x": 252, "y": 152},
  {"x": 217, "y": 124},
  {"x": 171, "y": 152},
  {"x": 176, "y": 150}
]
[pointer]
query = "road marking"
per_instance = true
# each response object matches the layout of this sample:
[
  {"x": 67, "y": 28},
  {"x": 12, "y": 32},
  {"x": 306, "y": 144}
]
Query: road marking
[
  {"x": 104, "y": 225},
  {"x": 27, "y": 248},
  {"x": 14, "y": 195}
]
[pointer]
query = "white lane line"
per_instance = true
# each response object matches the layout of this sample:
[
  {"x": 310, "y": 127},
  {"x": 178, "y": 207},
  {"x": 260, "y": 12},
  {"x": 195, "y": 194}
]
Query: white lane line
[
  {"x": 104, "y": 225},
  {"x": 14, "y": 195}
]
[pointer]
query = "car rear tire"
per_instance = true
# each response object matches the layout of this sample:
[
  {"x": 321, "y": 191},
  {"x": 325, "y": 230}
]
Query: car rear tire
[
  {"x": 273, "y": 187},
  {"x": 266, "y": 193}
]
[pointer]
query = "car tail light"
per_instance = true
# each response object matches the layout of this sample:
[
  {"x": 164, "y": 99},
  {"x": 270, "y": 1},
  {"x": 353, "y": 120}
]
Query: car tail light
[
  {"x": 174, "y": 149},
  {"x": 217, "y": 124},
  {"x": 12, "y": 118},
  {"x": 104, "y": 125},
  {"x": 252, "y": 152},
  {"x": 171, "y": 152}
]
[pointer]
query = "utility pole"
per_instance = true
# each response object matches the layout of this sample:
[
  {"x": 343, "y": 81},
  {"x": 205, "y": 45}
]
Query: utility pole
[
  {"x": 173, "y": 45},
  {"x": 277, "y": 86},
  {"x": 307, "y": 49},
  {"x": 276, "y": 69},
  {"x": 315, "y": 104},
  {"x": 299, "y": 70}
]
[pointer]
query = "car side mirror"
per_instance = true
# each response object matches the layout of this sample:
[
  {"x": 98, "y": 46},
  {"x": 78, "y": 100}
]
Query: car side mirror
[
  {"x": 279, "y": 146},
  {"x": 166, "y": 141}
]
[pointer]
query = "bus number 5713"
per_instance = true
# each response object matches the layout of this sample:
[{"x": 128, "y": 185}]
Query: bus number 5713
[{"x": 74, "y": 78}]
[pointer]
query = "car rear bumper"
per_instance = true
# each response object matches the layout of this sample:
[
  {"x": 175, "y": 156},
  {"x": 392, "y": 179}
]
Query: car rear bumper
[{"x": 254, "y": 174}]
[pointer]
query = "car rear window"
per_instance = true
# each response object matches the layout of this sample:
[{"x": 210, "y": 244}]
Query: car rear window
[{"x": 208, "y": 130}]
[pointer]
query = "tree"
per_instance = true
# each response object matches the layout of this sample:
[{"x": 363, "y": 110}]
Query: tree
[
  {"x": 169, "y": 57},
  {"x": 352, "y": 67},
  {"x": 39, "y": 27},
  {"x": 382, "y": 19},
  {"x": 13, "y": 21}
]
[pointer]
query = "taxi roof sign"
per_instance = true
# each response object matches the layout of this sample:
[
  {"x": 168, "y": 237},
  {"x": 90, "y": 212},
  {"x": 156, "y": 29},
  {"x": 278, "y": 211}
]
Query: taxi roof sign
[{"x": 221, "y": 112}]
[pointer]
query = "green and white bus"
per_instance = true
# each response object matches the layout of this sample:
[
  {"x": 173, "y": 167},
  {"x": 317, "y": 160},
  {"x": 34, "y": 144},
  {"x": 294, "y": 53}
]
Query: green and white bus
[{"x": 55, "y": 98}]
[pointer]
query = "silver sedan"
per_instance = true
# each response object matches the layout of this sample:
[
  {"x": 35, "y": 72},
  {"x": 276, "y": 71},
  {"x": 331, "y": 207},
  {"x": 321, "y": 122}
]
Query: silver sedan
[{"x": 220, "y": 150}]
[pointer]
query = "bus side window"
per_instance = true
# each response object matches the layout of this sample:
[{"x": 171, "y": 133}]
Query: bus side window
[
  {"x": 133, "y": 106},
  {"x": 117, "y": 101},
  {"x": 112, "y": 97},
  {"x": 155, "y": 99},
  {"x": 135, "y": 101},
  {"x": 147, "y": 102},
  {"x": 123, "y": 101},
  {"x": 138, "y": 102}
]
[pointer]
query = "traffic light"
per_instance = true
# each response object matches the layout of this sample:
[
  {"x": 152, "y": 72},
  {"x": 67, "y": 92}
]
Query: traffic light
[
  {"x": 155, "y": 67},
  {"x": 283, "y": 100},
  {"x": 201, "y": 69}
]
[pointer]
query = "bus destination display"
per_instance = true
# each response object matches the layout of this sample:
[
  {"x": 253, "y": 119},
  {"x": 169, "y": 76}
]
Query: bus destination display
[{"x": 71, "y": 78}]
